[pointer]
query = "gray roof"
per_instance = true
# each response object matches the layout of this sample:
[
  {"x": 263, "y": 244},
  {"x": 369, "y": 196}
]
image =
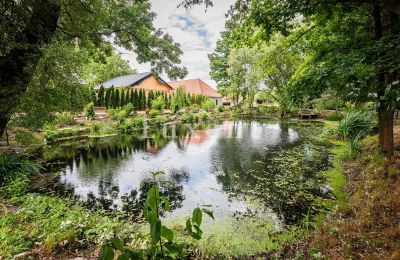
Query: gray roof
[{"x": 126, "y": 81}]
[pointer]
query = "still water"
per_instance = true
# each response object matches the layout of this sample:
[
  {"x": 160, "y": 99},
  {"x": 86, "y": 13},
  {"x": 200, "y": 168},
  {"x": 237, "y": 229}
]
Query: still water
[{"x": 241, "y": 168}]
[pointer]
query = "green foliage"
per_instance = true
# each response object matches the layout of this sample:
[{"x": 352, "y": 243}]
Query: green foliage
[
  {"x": 131, "y": 125},
  {"x": 355, "y": 124},
  {"x": 158, "y": 103},
  {"x": 158, "y": 121},
  {"x": 64, "y": 118},
  {"x": 208, "y": 105},
  {"x": 26, "y": 138},
  {"x": 52, "y": 134},
  {"x": 154, "y": 112},
  {"x": 179, "y": 100},
  {"x": 56, "y": 223},
  {"x": 162, "y": 239},
  {"x": 220, "y": 109},
  {"x": 14, "y": 174},
  {"x": 89, "y": 111},
  {"x": 335, "y": 116}
]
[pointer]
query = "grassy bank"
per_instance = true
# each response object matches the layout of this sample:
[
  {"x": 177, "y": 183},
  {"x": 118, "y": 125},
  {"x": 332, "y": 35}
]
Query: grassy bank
[{"x": 39, "y": 226}]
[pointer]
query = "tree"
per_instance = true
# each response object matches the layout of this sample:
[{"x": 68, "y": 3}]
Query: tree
[
  {"x": 380, "y": 51},
  {"x": 107, "y": 99},
  {"x": 122, "y": 98},
  {"x": 117, "y": 99},
  {"x": 112, "y": 97},
  {"x": 28, "y": 27},
  {"x": 100, "y": 97}
]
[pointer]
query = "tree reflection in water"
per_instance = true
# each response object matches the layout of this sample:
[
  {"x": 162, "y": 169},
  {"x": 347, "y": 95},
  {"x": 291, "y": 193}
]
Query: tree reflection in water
[{"x": 271, "y": 162}]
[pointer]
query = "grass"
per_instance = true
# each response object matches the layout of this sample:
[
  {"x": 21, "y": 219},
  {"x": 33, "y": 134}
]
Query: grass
[
  {"x": 46, "y": 225},
  {"x": 367, "y": 225}
]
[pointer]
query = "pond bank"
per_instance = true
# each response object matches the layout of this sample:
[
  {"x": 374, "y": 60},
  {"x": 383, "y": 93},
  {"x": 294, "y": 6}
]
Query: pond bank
[
  {"x": 298, "y": 232},
  {"x": 367, "y": 224}
]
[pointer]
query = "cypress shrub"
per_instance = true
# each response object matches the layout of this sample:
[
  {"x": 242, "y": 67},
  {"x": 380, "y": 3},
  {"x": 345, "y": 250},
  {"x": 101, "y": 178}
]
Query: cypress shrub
[
  {"x": 122, "y": 98},
  {"x": 107, "y": 99},
  {"x": 100, "y": 97},
  {"x": 112, "y": 97}
]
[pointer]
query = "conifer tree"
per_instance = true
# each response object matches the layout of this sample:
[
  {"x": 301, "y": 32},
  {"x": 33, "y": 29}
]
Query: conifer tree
[
  {"x": 112, "y": 97},
  {"x": 100, "y": 97},
  {"x": 117, "y": 99},
  {"x": 136, "y": 99},
  {"x": 107, "y": 99},
  {"x": 122, "y": 98}
]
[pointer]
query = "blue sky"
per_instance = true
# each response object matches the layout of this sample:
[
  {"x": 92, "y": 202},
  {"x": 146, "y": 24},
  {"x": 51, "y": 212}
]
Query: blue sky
[{"x": 196, "y": 30}]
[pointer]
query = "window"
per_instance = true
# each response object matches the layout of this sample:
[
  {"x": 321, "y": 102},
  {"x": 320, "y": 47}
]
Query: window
[{"x": 216, "y": 102}]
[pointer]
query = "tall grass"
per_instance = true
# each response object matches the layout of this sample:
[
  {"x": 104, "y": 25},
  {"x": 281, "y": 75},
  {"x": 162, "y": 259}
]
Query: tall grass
[
  {"x": 14, "y": 173},
  {"x": 354, "y": 125},
  {"x": 353, "y": 128}
]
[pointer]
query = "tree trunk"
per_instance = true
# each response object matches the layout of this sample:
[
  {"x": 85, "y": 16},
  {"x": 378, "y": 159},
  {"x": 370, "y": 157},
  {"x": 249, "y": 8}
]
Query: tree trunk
[
  {"x": 385, "y": 124},
  {"x": 385, "y": 110},
  {"x": 18, "y": 65}
]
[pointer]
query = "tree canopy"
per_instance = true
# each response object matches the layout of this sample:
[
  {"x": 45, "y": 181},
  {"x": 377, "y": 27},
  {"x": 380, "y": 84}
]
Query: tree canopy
[{"x": 31, "y": 28}]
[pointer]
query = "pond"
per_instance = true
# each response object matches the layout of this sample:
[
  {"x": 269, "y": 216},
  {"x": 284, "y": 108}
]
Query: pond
[{"x": 256, "y": 175}]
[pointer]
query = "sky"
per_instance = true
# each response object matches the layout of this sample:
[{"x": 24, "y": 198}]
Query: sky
[{"x": 196, "y": 30}]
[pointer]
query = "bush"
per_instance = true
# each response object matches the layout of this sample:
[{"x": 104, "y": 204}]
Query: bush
[
  {"x": 131, "y": 125},
  {"x": 26, "y": 138},
  {"x": 122, "y": 114},
  {"x": 14, "y": 170},
  {"x": 138, "y": 122},
  {"x": 96, "y": 128},
  {"x": 354, "y": 125},
  {"x": 89, "y": 111},
  {"x": 112, "y": 113},
  {"x": 160, "y": 120},
  {"x": 208, "y": 105},
  {"x": 64, "y": 119},
  {"x": 187, "y": 118},
  {"x": 158, "y": 103},
  {"x": 335, "y": 116},
  {"x": 153, "y": 113},
  {"x": 220, "y": 109},
  {"x": 128, "y": 109}
]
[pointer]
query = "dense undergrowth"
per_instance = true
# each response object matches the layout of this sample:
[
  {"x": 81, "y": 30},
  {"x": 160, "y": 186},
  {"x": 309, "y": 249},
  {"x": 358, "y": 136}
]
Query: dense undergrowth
[{"x": 369, "y": 224}]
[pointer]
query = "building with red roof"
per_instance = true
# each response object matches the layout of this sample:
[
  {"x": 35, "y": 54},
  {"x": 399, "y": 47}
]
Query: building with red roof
[{"x": 199, "y": 87}]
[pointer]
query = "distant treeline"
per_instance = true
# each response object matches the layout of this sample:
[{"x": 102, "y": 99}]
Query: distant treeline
[{"x": 119, "y": 97}]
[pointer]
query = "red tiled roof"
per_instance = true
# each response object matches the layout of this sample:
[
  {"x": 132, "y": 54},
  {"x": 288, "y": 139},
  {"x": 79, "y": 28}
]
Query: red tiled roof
[{"x": 196, "y": 86}]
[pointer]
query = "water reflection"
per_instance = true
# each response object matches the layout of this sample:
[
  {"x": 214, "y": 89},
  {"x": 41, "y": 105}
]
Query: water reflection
[{"x": 227, "y": 165}]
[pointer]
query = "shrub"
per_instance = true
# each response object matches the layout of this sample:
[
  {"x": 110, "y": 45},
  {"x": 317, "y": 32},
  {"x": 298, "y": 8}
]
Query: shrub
[
  {"x": 138, "y": 122},
  {"x": 158, "y": 103},
  {"x": 128, "y": 109},
  {"x": 234, "y": 114},
  {"x": 160, "y": 120},
  {"x": 335, "y": 116},
  {"x": 220, "y": 109},
  {"x": 203, "y": 115},
  {"x": 14, "y": 170},
  {"x": 122, "y": 114},
  {"x": 64, "y": 119},
  {"x": 112, "y": 113},
  {"x": 89, "y": 111},
  {"x": 26, "y": 138},
  {"x": 355, "y": 124},
  {"x": 187, "y": 118},
  {"x": 50, "y": 134},
  {"x": 96, "y": 128},
  {"x": 153, "y": 113},
  {"x": 208, "y": 105}
]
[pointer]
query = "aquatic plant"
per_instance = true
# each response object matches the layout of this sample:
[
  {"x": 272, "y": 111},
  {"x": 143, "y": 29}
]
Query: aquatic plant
[{"x": 162, "y": 242}]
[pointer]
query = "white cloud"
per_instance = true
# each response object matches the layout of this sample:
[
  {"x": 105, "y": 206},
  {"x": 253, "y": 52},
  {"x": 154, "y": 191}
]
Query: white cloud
[{"x": 196, "y": 30}]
